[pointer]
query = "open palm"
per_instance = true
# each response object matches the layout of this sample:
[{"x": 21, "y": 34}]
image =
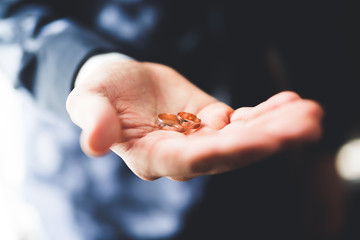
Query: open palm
[{"x": 117, "y": 107}]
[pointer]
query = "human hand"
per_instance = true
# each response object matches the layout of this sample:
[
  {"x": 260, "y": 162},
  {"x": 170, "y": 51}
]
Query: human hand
[{"x": 116, "y": 107}]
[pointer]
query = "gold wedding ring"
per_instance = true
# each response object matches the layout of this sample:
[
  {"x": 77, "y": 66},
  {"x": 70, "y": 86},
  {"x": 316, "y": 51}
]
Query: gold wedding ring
[
  {"x": 189, "y": 120},
  {"x": 168, "y": 121},
  {"x": 181, "y": 122}
]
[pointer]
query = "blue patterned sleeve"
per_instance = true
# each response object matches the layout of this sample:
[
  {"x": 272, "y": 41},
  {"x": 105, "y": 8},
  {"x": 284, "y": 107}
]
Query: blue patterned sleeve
[{"x": 42, "y": 47}]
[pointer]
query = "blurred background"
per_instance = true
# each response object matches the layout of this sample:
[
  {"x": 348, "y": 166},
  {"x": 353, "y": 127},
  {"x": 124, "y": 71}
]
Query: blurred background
[
  {"x": 18, "y": 218},
  {"x": 313, "y": 41}
]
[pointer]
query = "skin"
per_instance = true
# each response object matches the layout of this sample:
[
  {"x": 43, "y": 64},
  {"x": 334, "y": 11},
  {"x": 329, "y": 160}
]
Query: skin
[{"x": 117, "y": 104}]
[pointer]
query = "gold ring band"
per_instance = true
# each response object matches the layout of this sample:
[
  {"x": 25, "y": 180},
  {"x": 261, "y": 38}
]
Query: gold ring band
[
  {"x": 168, "y": 121},
  {"x": 189, "y": 120}
]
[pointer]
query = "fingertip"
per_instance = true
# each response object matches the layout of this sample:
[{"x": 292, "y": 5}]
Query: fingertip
[
  {"x": 98, "y": 140},
  {"x": 316, "y": 109},
  {"x": 89, "y": 149}
]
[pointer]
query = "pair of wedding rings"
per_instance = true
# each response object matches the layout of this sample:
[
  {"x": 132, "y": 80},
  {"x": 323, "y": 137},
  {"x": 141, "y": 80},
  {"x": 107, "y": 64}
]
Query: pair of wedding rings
[{"x": 181, "y": 122}]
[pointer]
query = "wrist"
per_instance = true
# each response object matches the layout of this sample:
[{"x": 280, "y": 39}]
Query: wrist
[{"x": 96, "y": 61}]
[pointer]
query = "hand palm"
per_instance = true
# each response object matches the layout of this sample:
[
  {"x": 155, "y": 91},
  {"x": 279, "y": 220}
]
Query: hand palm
[{"x": 226, "y": 140}]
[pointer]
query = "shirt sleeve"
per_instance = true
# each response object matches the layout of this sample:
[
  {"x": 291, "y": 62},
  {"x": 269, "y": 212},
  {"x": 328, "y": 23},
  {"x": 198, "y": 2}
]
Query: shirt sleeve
[{"x": 42, "y": 48}]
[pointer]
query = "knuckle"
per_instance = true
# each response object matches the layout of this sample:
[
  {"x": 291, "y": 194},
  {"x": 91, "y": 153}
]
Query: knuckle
[{"x": 288, "y": 96}]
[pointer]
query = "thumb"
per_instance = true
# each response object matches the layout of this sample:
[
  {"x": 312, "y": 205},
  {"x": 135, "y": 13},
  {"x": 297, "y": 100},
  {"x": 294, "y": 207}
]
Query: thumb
[{"x": 98, "y": 119}]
